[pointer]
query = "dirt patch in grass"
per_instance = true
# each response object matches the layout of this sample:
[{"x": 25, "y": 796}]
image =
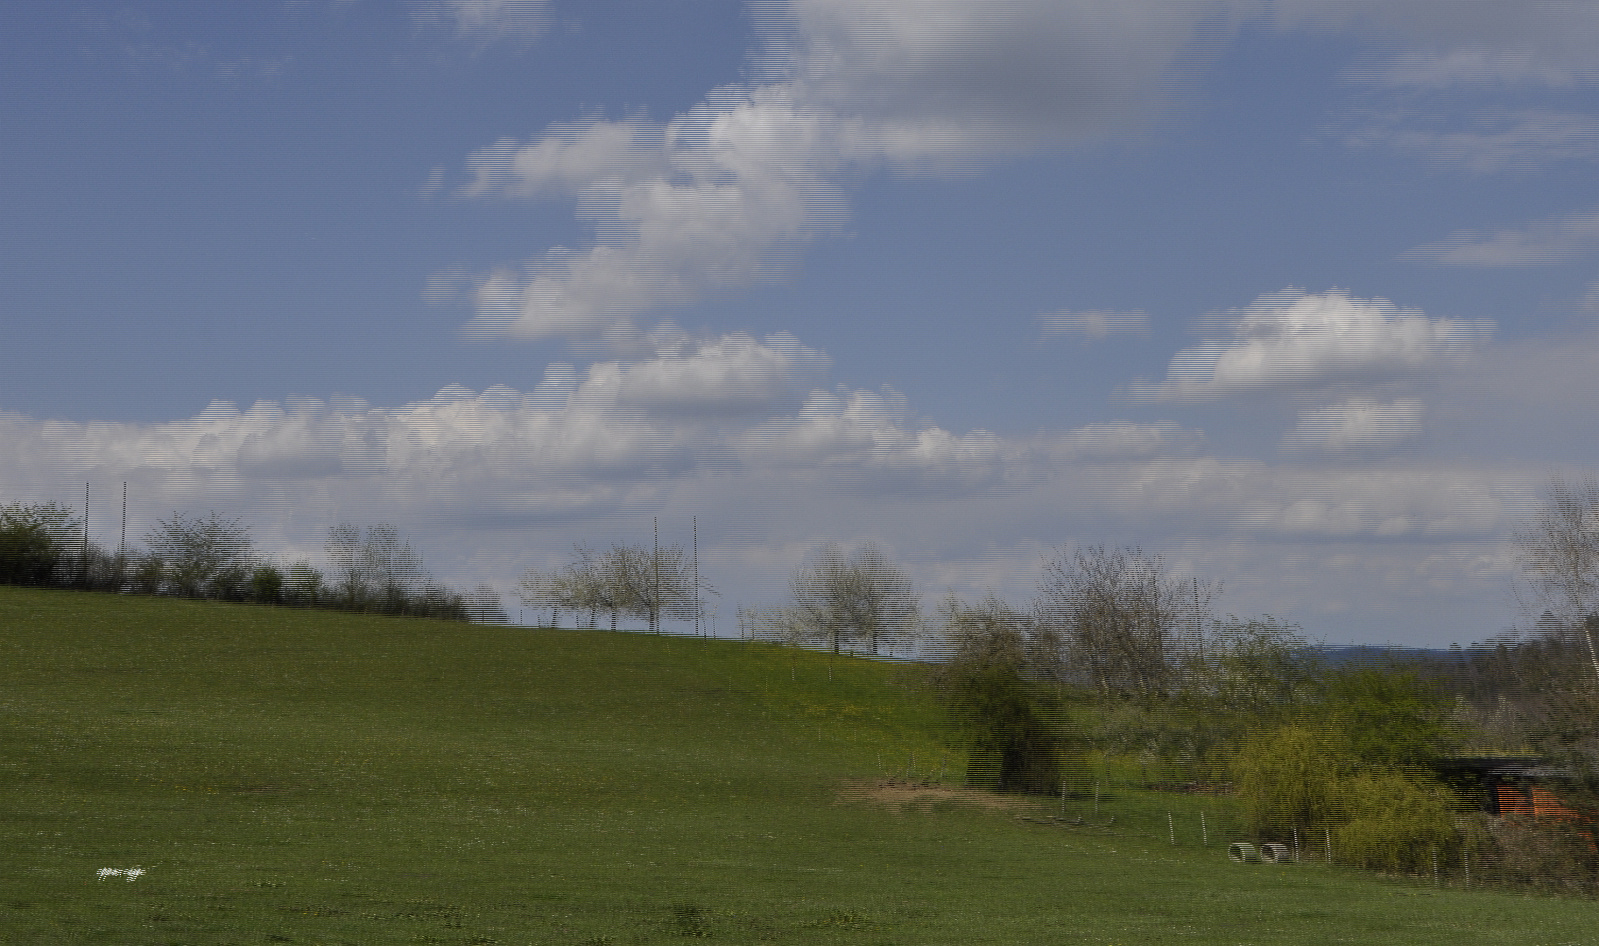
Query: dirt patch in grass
[{"x": 898, "y": 793}]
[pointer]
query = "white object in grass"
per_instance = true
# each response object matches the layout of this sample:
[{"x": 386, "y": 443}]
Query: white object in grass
[{"x": 132, "y": 873}]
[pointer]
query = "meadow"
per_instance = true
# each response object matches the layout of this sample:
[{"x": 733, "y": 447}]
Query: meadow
[{"x": 287, "y": 776}]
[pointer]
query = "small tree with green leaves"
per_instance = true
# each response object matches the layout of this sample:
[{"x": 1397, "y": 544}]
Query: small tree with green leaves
[
  {"x": 995, "y": 685},
  {"x": 34, "y": 542}
]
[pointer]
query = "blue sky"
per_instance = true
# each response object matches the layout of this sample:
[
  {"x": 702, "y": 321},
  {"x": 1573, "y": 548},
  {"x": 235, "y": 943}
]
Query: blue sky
[{"x": 1299, "y": 294}]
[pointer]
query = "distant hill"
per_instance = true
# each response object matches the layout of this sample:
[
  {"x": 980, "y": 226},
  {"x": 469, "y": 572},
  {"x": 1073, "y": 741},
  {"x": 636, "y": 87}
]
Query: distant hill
[{"x": 1344, "y": 655}]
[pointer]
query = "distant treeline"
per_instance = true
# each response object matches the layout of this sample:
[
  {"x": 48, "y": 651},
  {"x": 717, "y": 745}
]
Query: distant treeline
[{"x": 372, "y": 571}]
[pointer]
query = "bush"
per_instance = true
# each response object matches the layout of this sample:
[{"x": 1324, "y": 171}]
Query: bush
[
  {"x": 1380, "y": 817},
  {"x": 302, "y": 586},
  {"x": 34, "y": 542},
  {"x": 148, "y": 575},
  {"x": 1291, "y": 778},
  {"x": 1008, "y": 718},
  {"x": 1552, "y": 858},
  {"x": 266, "y": 585},
  {"x": 1396, "y": 821}
]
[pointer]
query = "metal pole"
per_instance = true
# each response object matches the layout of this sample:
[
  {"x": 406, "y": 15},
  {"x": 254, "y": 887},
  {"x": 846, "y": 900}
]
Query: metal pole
[
  {"x": 85, "y": 534},
  {"x": 655, "y": 604},
  {"x": 122, "y": 544},
  {"x": 695, "y": 521}
]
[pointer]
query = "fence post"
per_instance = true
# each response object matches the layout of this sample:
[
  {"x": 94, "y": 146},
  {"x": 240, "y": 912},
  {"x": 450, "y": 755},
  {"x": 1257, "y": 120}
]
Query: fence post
[
  {"x": 1171, "y": 828},
  {"x": 1204, "y": 832}
]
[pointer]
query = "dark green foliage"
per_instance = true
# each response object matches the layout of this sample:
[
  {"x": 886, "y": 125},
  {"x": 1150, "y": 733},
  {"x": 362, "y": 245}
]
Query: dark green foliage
[
  {"x": 1389, "y": 716},
  {"x": 302, "y": 586},
  {"x": 39, "y": 544},
  {"x": 266, "y": 585},
  {"x": 1009, "y": 717}
]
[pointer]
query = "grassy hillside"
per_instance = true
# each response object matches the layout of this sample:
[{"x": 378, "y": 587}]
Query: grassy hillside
[{"x": 313, "y": 777}]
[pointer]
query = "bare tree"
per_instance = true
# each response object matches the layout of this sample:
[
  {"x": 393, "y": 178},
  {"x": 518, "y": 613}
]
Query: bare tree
[
  {"x": 201, "y": 554},
  {"x": 375, "y": 571},
  {"x": 624, "y": 580},
  {"x": 1121, "y": 620},
  {"x": 483, "y": 606},
  {"x": 1560, "y": 552},
  {"x": 861, "y": 598}
]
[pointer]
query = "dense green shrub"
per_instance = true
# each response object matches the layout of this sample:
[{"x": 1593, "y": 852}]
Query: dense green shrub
[
  {"x": 1378, "y": 815},
  {"x": 33, "y": 543},
  {"x": 1008, "y": 719},
  {"x": 1291, "y": 778},
  {"x": 1396, "y": 821}
]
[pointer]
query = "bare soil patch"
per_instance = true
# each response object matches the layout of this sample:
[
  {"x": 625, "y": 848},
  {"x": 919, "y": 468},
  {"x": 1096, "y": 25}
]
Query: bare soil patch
[{"x": 901, "y": 794}]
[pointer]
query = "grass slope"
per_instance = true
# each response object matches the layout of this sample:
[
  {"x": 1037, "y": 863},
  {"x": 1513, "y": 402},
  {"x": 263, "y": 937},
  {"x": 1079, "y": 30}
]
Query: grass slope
[{"x": 306, "y": 777}]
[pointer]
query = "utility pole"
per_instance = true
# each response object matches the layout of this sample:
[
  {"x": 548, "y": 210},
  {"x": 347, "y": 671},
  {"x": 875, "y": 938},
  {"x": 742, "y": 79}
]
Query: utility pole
[
  {"x": 655, "y": 603},
  {"x": 85, "y": 534},
  {"x": 122, "y": 543},
  {"x": 695, "y": 520}
]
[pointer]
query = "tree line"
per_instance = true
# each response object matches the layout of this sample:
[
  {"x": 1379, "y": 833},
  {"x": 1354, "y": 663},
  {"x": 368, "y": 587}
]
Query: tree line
[
  {"x": 372, "y": 570},
  {"x": 1116, "y": 657}
]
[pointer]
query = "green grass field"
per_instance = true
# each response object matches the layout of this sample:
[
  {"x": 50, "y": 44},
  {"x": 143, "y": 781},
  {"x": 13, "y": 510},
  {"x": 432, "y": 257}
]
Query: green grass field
[{"x": 312, "y": 777}]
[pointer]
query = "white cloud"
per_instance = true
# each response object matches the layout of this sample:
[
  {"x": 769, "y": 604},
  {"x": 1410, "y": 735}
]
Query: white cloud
[
  {"x": 1476, "y": 66},
  {"x": 486, "y": 20},
  {"x": 1120, "y": 442},
  {"x": 1462, "y": 45},
  {"x": 1548, "y": 241},
  {"x": 1520, "y": 140},
  {"x": 488, "y": 483},
  {"x": 1298, "y": 339},
  {"x": 729, "y": 192},
  {"x": 1358, "y": 425},
  {"x": 1094, "y": 324}
]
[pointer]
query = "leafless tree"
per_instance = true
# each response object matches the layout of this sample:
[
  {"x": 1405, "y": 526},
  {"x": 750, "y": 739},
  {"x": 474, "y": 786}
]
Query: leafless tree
[
  {"x": 483, "y": 606},
  {"x": 862, "y": 599},
  {"x": 378, "y": 570},
  {"x": 623, "y": 579},
  {"x": 1560, "y": 552},
  {"x": 1120, "y": 619},
  {"x": 200, "y": 552}
]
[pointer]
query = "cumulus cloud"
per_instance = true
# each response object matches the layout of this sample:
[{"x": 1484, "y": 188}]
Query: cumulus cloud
[
  {"x": 488, "y": 483},
  {"x": 1357, "y": 426},
  {"x": 1094, "y": 324},
  {"x": 1548, "y": 241},
  {"x": 731, "y": 191},
  {"x": 1299, "y": 339}
]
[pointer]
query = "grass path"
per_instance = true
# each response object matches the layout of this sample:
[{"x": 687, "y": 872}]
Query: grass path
[{"x": 307, "y": 777}]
